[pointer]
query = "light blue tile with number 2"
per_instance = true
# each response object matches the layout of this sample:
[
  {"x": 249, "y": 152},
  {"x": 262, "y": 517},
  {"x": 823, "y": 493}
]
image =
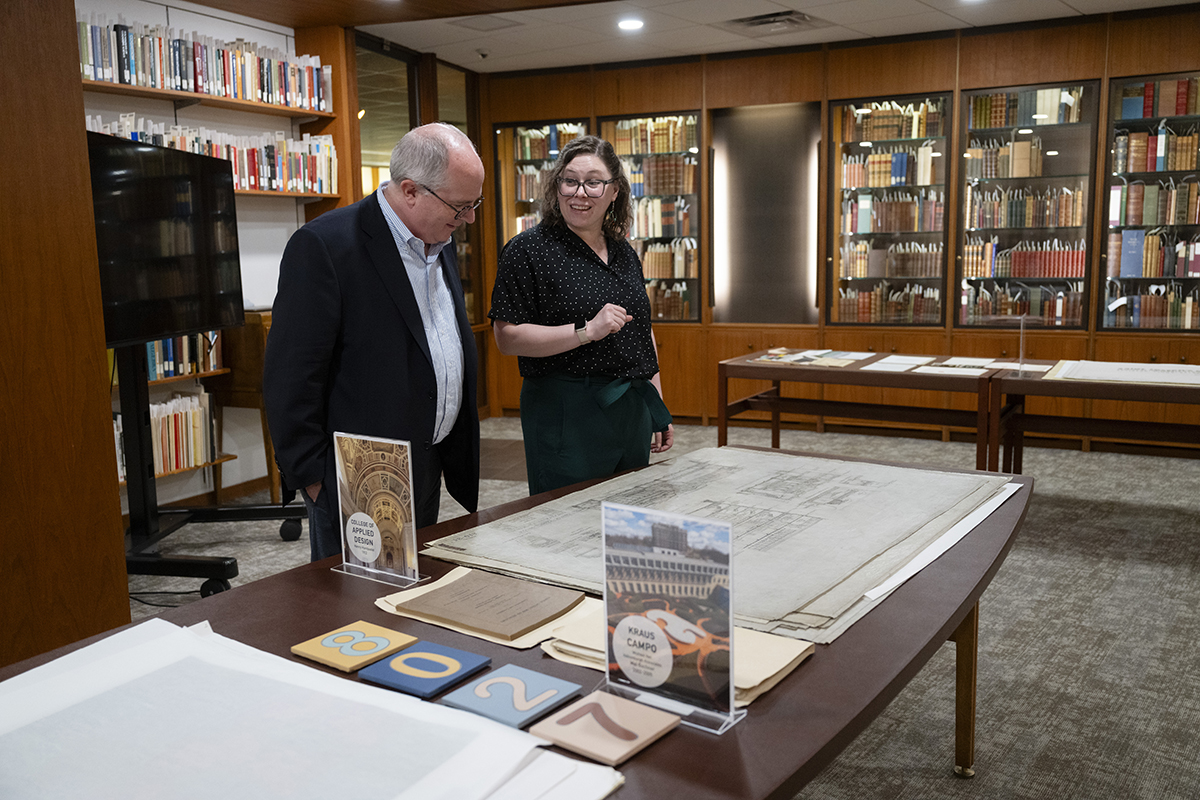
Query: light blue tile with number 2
[{"x": 513, "y": 695}]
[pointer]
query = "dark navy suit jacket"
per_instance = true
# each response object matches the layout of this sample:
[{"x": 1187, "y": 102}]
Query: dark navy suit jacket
[{"x": 347, "y": 352}]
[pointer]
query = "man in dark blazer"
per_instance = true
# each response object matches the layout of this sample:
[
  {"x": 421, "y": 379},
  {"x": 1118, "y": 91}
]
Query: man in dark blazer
[{"x": 369, "y": 334}]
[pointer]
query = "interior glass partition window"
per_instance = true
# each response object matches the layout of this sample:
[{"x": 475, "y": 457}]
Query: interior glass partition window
[
  {"x": 453, "y": 91},
  {"x": 385, "y": 107},
  {"x": 1152, "y": 279},
  {"x": 888, "y": 211},
  {"x": 661, "y": 157},
  {"x": 1026, "y": 182}
]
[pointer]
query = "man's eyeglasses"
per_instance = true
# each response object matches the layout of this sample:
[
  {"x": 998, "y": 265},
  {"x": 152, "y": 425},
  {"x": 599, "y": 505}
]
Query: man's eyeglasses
[
  {"x": 592, "y": 187},
  {"x": 459, "y": 211}
]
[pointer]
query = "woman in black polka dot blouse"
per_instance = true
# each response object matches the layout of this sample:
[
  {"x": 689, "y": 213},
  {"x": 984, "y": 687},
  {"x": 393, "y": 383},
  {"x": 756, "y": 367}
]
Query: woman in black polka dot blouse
[{"x": 570, "y": 302}]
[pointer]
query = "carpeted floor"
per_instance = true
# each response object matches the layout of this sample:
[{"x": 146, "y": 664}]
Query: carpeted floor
[{"x": 1089, "y": 682}]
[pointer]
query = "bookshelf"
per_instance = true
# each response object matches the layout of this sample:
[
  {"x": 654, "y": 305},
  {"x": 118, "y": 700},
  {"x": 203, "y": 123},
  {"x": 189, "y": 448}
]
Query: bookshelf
[
  {"x": 661, "y": 157},
  {"x": 887, "y": 207},
  {"x": 183, "y": 417},
  {"x": 1152, "y": 262},
  {"x": 270, "y": 113},
  {"x": 1026, "y": 183},
  {"x": 524, "y": 153}
]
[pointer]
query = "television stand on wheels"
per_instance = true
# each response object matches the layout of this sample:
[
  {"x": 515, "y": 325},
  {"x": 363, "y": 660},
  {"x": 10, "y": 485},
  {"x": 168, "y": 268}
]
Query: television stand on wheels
[{"x": 148, "y": 524}]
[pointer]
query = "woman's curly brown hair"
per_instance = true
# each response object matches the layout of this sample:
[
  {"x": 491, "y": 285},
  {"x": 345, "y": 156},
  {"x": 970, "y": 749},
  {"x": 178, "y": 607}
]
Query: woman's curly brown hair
[{"x": 620, "y": 213}]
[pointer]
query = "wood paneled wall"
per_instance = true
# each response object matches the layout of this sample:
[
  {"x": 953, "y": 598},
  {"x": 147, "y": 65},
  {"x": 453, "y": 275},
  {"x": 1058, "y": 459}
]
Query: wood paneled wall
[
  {"x": 793, "y": 78},
  {"x": 1033, "y": 55},
  {"x": 894, "y": 68},
  {"x": 62, "y": 554}
]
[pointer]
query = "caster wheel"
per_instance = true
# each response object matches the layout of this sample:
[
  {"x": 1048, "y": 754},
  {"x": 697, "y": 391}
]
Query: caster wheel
[
  {"x": 289, "y": 531},
  {"x": 214, "y": 585}
]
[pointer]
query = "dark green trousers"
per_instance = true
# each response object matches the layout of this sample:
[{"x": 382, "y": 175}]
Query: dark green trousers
[{"x": 576, "y": 429}]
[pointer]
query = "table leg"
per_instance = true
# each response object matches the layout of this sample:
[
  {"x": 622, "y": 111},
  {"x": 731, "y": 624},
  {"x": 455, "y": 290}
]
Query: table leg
[
  {"x": 722, "y": 407},
  {"x": 775, "y": 419},
  {"x": 966, "y": 658},
  {"x": 983, "y": 430}
]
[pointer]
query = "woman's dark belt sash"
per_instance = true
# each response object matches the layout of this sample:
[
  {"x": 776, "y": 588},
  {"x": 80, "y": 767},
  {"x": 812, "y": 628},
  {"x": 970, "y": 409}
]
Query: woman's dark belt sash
[{"x": 609, "y": 390}]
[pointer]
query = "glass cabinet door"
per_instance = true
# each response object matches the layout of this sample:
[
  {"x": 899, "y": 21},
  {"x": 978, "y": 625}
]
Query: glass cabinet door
[
  {"x": 1152, "y": 277},
  {"x": 661, "y": 158},
  {"x": 1026, "y": 178},
  {"x": 523, "y": 154},
  {"x": 887, "y": 211}
]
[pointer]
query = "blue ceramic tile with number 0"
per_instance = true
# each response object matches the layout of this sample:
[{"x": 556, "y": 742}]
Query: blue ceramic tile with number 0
[
  {"x": 425, "y": 669},
  {"x": 513, "y": 695}
]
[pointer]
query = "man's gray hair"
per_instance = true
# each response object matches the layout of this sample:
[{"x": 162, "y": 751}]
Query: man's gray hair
[{"x": 423, "y": 154}]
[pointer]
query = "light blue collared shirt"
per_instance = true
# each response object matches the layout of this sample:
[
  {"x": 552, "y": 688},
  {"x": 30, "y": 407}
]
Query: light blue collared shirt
[{"x": 437, "y": 316}]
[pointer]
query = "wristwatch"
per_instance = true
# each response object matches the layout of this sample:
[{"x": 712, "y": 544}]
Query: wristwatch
[{"x": 581, "y": 331}]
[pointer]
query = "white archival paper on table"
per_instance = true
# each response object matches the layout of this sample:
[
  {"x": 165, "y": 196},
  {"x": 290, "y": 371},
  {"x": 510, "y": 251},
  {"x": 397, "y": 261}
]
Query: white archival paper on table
[{"x": 280, "y": 730}]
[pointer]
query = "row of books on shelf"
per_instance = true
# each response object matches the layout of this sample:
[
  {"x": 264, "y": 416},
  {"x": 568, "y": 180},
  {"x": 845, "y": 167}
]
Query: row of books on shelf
[
  {"x": 908, "y": 305},
  {"x": 1161, "y": 306},
  {"x": 891, "y": 120},
  {"x": 1152, "y": 254},
  {"x": 1154, "y": 203},
  {"x": 1003, "y": 303},
  {"x": 527, "y": 221},
  {"x": 1167, "y": 98},
  {"x": 543, "y": 143},
  {"x": 182, "y": 434},
  {"x": 265, "y": 162},
  {"x": 663, "y": 260},
  {"x": 899, "y": 260},
  {"x": 923, "y": 211},
  {"x": 529, "y": 182},
  {"x": 896, "y": 166},
  {"x": 674, "y": 134},
  {"x": 1054, "y": 106},
  {"x": 995, "y": 158},
  {"x": 180, "y": 355},
  {"x": 1052, "y": 207},
  {"x": 1158, "y": 151},
  {"x": 155, "y": 56},
  {"x": 669, "y": 174},
  {"x": 1052, "y": 258},
  {"x": 661, "y": 218},
  {"x": 668, "y": 300}
]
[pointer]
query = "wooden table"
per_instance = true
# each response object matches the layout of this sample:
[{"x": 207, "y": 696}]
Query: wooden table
[
  {"x": 1008, "y": 422},
  {"x": 772, "y": 400},
  {"x": 789, "y": 734}
]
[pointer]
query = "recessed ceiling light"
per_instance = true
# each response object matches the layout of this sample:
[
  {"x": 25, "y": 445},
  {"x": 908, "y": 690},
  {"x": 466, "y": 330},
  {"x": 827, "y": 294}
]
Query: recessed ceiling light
[{"x": 630, "y": 24}]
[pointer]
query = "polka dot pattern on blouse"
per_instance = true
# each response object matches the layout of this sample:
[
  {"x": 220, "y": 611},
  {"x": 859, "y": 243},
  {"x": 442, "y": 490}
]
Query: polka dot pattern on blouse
[{"x": 549, "y": 276}]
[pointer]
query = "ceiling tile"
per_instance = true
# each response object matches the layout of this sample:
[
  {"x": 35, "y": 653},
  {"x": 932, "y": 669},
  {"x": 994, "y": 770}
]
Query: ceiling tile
[{"x": 917, "y": 23}]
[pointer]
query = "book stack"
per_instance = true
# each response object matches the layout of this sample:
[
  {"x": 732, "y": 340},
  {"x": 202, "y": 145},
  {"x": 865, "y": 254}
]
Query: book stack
[
  {"x": 662, "y": 260},
  {"x": 160, "y": 58},
  {"x": 910, "y": 305},
  {"x": 669, "y": 174},
  {"x": 1167, "y": 98},
  {"x": 1061, "y": 207},
  {"x": 914, "y": 260},
  {"x": 266, "y": 162},
  {"x": 669, "y": 300},
  {"x": 1160, "y": 306},
  {"x": 182, "y": 433},
  {"x": 1051, "y": 306},
  {"x": 1053, "y": 106},
  {"x": 890, "y": 120}
]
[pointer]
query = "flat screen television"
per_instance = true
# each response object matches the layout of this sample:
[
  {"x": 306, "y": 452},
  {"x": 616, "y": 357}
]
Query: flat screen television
[{"x": 166, "y": 232}]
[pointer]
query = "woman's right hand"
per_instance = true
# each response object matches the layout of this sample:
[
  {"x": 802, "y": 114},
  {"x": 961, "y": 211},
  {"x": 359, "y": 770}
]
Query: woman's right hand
[{"x": 610, "y": 320}]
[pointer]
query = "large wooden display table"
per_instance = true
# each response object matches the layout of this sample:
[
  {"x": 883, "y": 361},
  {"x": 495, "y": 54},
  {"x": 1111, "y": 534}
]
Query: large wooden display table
[
  {"x": 853, "y": 374},
  {"x": 1008, "y": 422},
  {"x": 789, "y": 734}
]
